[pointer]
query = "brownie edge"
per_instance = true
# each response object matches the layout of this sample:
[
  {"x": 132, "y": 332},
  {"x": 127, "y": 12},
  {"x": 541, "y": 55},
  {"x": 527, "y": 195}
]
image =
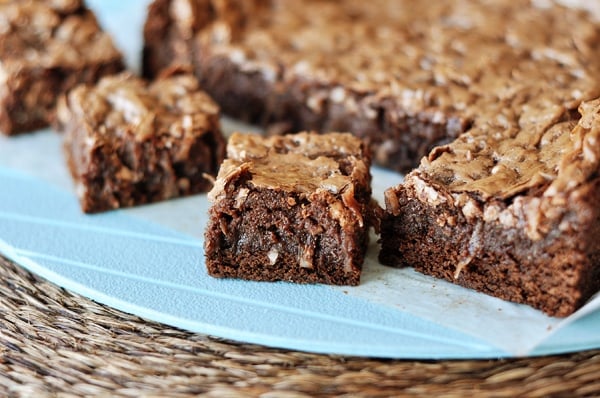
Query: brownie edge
[
  {"x": 527, "y": 231},
  {"x": 291, "y": 208}
]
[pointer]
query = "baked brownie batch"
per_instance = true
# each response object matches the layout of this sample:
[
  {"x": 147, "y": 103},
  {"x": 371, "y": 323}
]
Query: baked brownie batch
[
  {"x": 403, "y": 75},
  {"x": 496, "y": 99}
]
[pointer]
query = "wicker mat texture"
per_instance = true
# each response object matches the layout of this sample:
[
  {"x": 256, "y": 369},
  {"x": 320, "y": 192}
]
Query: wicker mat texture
[{"x": 55, "y": 343}]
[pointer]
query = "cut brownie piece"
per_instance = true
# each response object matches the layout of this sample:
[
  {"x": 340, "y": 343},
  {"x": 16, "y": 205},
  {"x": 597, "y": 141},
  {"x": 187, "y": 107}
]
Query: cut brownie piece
[
  {"x": 128, "y": 142},
  {"x": 404, "y": 75},
  {"x": 293, "y": 208},
  {"x": 514, "y": 213},
  {"x": 46, "y": 48}
]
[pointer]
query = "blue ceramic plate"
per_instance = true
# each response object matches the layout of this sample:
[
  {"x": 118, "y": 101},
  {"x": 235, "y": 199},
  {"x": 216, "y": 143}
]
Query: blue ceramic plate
[{"x": 149, "y": 261}]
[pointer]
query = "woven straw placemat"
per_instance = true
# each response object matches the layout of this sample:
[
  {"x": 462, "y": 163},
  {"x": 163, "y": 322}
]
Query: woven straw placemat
[{"x": 56, "y": 343}]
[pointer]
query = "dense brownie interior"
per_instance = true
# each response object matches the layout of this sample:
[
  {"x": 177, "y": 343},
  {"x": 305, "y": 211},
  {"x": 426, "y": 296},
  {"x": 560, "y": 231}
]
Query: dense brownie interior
[{"x": 294, "y": 208}]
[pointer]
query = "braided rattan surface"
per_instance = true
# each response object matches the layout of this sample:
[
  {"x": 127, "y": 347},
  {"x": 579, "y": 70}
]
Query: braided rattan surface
[{"x": 55, "y": 343}]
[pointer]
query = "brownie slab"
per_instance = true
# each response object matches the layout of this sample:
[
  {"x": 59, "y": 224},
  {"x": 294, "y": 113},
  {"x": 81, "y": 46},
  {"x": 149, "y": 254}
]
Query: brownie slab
[
  {"x": 292, "y": 208},
  {"x": 46, "y": 48},
  {"x": 514, "y": 214},
  {"x": 130, "y": 142},
  {"x": 403, "y": 75}
]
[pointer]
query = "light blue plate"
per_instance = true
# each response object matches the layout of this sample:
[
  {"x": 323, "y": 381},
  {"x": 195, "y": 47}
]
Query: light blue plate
[
  {"x": 149, "y": 261},
  {"x": 151, "y": 271},
  {"x": 147, "y": 269}
]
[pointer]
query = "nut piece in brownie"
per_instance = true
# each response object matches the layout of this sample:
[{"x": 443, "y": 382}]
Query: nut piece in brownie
[
  {"x": 514, "y": 214},
  {"x": 292, "y": 208},
  {"x": 46, "y": 48},
  {"x": 129, "y": 142},
  {"x": 404, "y": 75}
]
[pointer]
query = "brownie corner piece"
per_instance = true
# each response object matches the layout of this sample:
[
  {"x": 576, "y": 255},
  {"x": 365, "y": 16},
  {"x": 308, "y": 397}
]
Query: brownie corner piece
[
  {"x": 523, "y": 229},
  {"x": 128, "y": 141},
  {"x": 291, "y": 208},
  {"x": 46, "y": 48}
]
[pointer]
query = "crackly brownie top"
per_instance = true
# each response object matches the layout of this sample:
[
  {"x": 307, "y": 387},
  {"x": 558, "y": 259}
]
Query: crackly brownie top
[
  {"x": 124, "y": 105},
  {"x": 50, "y": 33},
  {"x": 444, "y": 57},
  {"x": 305, "y": 163},
  {"x": 546, "y": 153},
  {"x": 527, "y": 180}
]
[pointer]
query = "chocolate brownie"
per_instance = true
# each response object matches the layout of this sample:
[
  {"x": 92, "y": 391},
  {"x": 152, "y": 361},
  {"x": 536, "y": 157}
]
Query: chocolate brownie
[
  {"x": 404, "y": 75},
  {"x": 292, "y": 208},
  {"x": 46, "y": 48},
  {"x": 130, "y": 142},
  {"x": 514, "y": 213}
]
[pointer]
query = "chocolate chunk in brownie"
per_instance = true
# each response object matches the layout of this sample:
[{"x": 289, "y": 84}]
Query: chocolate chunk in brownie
[
  {"x": 514, "y": 213},
  {"x": 403, "y": 75},
  {"x": 130, "y": 142},
  {"x": 46, "y": 48},
  {"x": 292, "y": 208}
]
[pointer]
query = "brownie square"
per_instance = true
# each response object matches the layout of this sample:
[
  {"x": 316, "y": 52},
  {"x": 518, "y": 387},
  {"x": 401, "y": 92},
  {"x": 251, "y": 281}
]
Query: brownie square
[
  {"x": 129, "y": 142},
  {"x": 514, "y": 214},
  {"x": 293, "y": 208},
  {"x": 47, "y": 47}
]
